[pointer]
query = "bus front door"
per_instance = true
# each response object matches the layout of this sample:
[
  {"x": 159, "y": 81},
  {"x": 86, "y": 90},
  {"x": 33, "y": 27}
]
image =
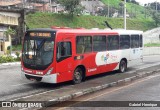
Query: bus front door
[{"x": 64, "y": 61}]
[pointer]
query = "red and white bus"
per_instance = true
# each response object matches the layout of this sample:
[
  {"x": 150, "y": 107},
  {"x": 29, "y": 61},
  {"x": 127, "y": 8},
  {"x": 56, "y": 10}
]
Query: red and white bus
[{"x": 55, "y": 55}]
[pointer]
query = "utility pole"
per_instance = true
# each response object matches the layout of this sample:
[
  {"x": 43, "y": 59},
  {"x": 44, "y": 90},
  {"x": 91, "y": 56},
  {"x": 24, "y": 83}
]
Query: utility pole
[
  {"x": 50, "y": 2},
  {"x": 125, "y": 14},
  {"x": 23, "y": 2}
]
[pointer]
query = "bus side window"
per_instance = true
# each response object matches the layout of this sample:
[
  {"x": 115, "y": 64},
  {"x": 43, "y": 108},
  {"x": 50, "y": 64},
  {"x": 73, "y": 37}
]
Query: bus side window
[
  {"x": 135, "y": 41},
  {"x": 99, "y": 43},
  {"x": 113, "y": 42},
  {"x": 124, "y": 41},
  {"x": 141, "y": 41},
  {"x": 83, "y": 44},
  {"x": 63, "y": 50}
]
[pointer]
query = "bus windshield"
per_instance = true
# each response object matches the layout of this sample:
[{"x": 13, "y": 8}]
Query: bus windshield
[{"x": 37, "y": 52}]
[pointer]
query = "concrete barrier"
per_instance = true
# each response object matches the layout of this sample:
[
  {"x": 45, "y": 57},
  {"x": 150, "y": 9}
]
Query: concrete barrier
[{"x": 151, "y": 51}]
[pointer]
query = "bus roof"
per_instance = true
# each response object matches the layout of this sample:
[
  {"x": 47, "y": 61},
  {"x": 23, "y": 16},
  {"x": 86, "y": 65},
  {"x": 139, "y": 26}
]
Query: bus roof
[{"x": 87, "y": 31}]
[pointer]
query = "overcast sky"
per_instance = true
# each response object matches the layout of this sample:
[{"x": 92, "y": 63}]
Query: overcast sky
[{"x": 146, "y": 1}]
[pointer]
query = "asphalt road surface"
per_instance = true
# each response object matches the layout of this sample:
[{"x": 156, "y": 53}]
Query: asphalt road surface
[
  {"x": 143, "y": 93},
  {"x": 12, "y": 86}
]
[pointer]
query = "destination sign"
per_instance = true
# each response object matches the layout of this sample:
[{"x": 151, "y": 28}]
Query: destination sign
[{"x": 40, "y": 34}]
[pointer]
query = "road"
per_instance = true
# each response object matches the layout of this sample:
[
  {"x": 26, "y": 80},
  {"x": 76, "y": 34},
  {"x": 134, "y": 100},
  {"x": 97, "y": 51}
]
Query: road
[
  {"x": 12, "y": 86},
  {"x": 140, "y": 91}
]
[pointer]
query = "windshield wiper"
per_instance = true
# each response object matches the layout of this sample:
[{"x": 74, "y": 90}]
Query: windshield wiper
[{"x": 41, "y": 44}]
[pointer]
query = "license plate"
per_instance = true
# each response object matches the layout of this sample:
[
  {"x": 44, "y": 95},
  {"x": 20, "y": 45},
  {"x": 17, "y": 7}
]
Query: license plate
[{"x": 32, "y": 79}]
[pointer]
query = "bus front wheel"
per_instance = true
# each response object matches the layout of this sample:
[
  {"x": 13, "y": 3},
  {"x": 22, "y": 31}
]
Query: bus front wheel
[
  {"x": 77, "y": 77},
  {"x": 122, "y": 66}
]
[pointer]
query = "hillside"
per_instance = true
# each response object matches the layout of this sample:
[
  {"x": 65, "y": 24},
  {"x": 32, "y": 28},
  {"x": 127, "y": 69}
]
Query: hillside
[
  {"x": 46, "y": 20},
  {"x": 134, "y": 10}
]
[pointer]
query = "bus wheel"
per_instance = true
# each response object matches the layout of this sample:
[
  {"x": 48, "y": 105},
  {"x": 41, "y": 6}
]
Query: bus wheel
[
  {"x": 122, "y": 66},
  {"x": 77, "y": 77}
]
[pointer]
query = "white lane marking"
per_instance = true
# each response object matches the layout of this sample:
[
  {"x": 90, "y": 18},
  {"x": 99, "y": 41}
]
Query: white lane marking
[
  {"x": 38, "y": 94},
  {"x": 108, "y": 92},
  {"x": 149, "y": 65},
  {"x": 23, "y": 84},
  {"x": 143, "y": 67},
  {"x": 32, "y": 95}
]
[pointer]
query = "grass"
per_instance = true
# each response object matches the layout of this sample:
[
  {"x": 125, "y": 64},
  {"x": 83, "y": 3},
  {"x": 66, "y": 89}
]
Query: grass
[
  {"x": 152, "y": 45},
  {"x": 46, "y": 20},
  {"x": 114, "y": 3},
  {"x": 139, "y": 11},
  {"x": 16, "y": 47}
]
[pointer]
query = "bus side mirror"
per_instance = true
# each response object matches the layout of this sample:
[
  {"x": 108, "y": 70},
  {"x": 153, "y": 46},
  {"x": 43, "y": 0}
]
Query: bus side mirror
[{"x": 58, "y": 56}]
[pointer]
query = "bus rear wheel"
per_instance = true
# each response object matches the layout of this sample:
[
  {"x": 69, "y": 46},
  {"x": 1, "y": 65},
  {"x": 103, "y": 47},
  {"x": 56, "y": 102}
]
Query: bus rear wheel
[
  {"x": 122, "y": 66},
  {"x": 77, "y": 77}
]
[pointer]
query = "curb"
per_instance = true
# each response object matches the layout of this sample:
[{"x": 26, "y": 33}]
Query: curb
[
  {"x": 10, "y": 63},
  {"x": 97, "y": 88}
]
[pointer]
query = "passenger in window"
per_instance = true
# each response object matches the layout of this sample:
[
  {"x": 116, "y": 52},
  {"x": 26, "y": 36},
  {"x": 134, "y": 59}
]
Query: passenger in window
[
  {"x": 115, "y": 43},
  {"x": 62, "y": 50}
]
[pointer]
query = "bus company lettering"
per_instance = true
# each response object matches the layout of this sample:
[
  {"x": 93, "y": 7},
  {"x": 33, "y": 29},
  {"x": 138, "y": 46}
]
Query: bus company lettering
[
  {"x": 92, "y": 69},
  {"x": 113, "y": 57}
]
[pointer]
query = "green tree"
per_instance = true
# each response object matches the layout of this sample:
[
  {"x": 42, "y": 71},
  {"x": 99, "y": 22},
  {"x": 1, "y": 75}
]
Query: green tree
[
  {"x": 8, "y": 33},
  {"x": 78, "y": 10},
  {"x": 156, "y": 18},
  {"x": 70, "y": 5}
]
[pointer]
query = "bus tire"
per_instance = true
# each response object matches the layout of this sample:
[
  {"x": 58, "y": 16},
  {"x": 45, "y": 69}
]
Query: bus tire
[
  {"x": 122, "y": 66},
  {"x": 77, "y": 76}
]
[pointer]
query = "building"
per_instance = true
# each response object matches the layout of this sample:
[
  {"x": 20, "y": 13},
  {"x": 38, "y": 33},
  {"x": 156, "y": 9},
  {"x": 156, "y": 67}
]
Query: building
[
  {"x": 38, "y": 5},
  {"x": 12, "y": 19},
  {"x": 92, "y": 5},
  {"x": 10, "y": 2}
]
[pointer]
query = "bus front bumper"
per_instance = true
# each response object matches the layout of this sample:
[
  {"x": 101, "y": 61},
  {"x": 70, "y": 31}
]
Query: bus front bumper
[{"x": 46, "y": 78}]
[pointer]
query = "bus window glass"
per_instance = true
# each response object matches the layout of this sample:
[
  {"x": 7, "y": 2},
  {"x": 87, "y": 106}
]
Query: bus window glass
[
  {"x": 141, "y": 41},
  {"x": 113, "y": 42},
  {"x": 99, "y": 43},
  {"x": 134, "y": 41},
  {"x": 38, "y": 52},
  {"x": 64, "y": 49},
  {"x": 124, "y": 42},
  {"x": 83, "y": 44}
]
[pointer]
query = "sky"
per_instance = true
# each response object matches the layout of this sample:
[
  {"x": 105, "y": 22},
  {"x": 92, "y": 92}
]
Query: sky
[{"x": 146, "y": 1}]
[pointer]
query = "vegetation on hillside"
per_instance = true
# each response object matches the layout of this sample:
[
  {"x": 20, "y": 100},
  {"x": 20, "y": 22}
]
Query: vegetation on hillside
[
  {"x": 46, "y": 20},
  {"x": 70, "y": 5},
  {"x": 133, "y": 9}
]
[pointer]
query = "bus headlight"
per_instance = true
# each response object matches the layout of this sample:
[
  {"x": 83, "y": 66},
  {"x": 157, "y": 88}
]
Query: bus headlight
[{"x": 49, "y": 71}]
